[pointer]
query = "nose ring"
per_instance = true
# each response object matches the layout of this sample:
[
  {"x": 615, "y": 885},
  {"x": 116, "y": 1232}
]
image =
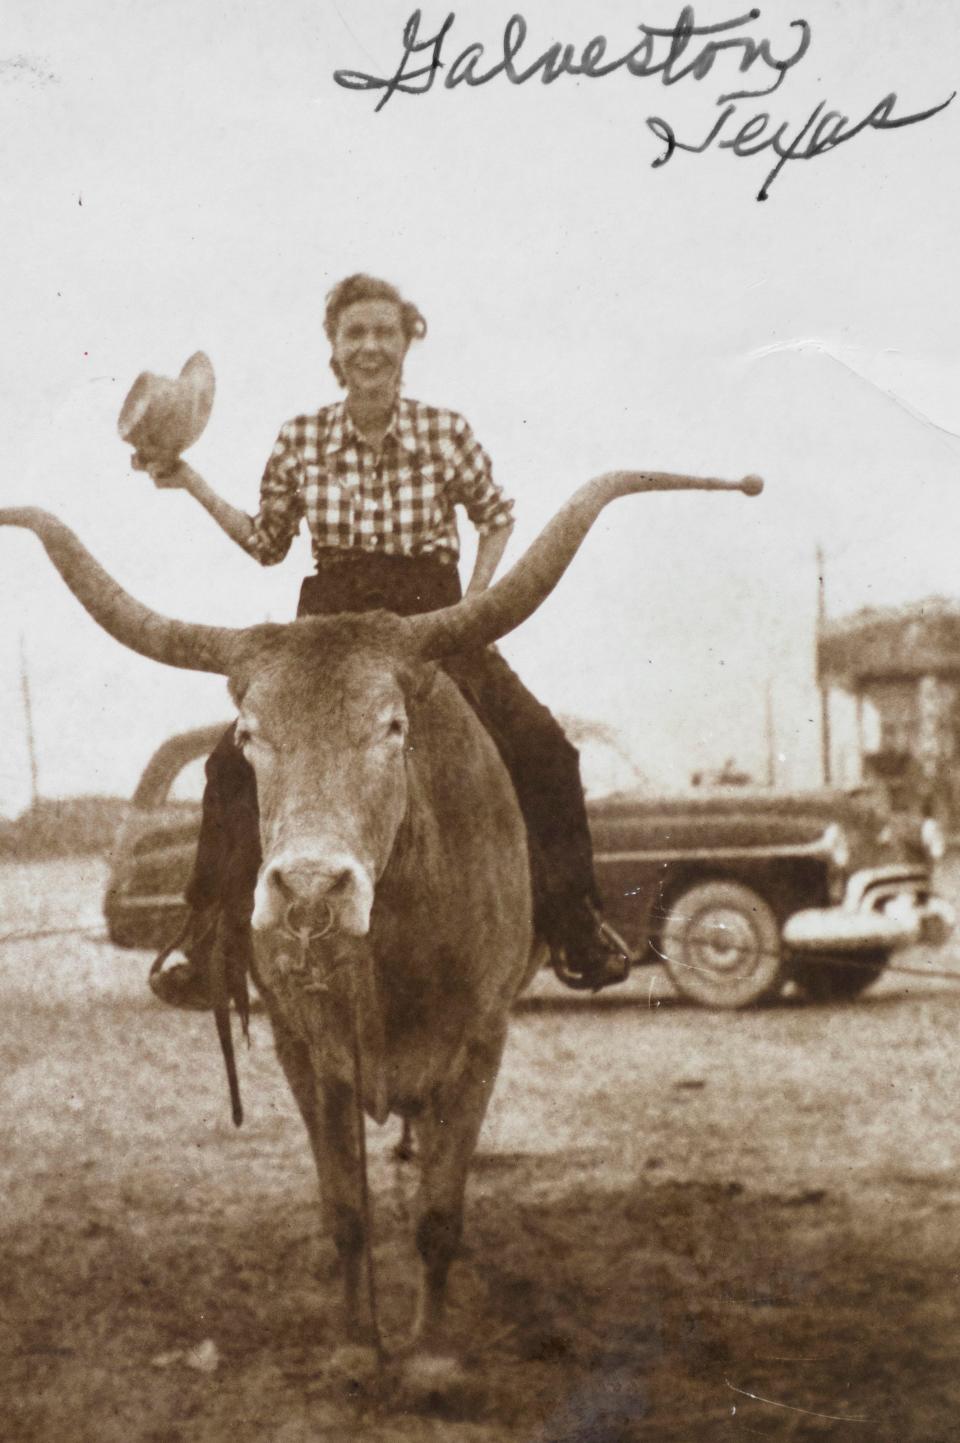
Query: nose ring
[{"x": 297, "y": 925}]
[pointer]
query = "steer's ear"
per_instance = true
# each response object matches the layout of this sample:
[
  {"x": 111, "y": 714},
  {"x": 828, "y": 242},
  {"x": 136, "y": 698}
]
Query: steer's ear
[
  {"x": 418, "y": 682},
  {"x": 237, "y": 690}
]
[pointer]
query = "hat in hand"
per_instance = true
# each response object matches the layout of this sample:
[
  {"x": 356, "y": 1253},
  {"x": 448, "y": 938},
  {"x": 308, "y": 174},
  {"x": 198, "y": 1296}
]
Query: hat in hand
[{"x": 161, "y": 418}]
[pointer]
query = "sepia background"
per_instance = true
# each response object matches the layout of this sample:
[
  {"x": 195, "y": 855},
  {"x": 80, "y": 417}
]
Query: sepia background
[
  {"x": 683, "y": 1225},
  {"x": 185, "y": 176}
]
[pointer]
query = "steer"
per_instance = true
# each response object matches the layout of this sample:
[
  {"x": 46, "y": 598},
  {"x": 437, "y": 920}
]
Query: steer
[{"x": 392, "y": 914}]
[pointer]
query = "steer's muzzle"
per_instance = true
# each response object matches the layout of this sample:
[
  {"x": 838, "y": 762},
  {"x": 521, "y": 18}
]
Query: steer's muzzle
[{"x": 332, "y": 893}]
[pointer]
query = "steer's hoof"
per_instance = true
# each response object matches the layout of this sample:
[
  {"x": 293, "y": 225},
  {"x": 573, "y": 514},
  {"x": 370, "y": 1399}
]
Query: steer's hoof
[
  {"x": 352, "y": 1369},
  {"x": 434, "y": 1381}
]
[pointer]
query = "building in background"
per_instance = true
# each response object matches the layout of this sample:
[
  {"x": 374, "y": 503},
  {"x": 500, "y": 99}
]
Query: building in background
[{"x": 902, "y": 666}]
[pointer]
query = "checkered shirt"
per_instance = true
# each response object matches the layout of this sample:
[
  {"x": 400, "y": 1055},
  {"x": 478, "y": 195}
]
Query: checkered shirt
[{"x": 399, "y": 501}]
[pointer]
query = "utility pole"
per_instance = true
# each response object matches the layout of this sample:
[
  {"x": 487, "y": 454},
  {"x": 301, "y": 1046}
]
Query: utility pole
[
  {"x": 770, "y": 734},
  {"x": 824, "y": 690},
  {"x": 28, "y": 717},
  {"x": 860, "y": 747}
]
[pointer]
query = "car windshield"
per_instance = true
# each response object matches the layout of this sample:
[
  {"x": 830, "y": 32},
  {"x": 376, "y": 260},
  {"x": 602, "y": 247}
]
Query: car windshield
[{"x": 606, "y": 766}]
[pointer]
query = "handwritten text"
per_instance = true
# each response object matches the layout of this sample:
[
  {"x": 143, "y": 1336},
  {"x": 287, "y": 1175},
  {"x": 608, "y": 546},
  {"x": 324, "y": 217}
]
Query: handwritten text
[{"x": 684, "y": 51}]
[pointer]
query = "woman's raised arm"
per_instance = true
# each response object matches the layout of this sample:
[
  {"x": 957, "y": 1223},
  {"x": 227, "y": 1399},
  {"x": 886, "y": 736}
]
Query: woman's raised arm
[{"x": 236, "y": 523}]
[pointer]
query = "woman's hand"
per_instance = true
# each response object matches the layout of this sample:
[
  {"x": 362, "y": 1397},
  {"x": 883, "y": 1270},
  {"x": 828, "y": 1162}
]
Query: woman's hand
[{"x": 168, "y": 473}]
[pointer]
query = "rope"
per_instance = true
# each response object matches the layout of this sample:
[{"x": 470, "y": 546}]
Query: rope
[
  {"x": 173, "y": 944},
  {"x": 826, "y": 959},
  {"x": 365, "y": 1207},
  {"x": 922, "y": 972},
  {"x": 51, "y": 932}
]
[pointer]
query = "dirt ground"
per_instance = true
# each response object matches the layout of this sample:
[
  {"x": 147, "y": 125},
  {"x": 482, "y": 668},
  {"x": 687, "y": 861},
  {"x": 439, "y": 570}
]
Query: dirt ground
[{"x": 682, "y": 1226}]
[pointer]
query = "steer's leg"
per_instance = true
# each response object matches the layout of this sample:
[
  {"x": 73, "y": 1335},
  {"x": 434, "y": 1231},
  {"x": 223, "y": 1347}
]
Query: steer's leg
[
  {"x": 328, "y": 1112},
  {"x": 294, "y": 1057},
  {"x": 448, "y": 1132}
]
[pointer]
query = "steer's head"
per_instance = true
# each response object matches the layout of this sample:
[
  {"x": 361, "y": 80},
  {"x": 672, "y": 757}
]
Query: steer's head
[
  {"x": 323, "y": 709},
  {"x": 323, "y": 722}
]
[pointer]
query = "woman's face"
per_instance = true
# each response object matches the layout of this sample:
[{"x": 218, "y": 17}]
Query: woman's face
[{"x": 369, "y": 347}]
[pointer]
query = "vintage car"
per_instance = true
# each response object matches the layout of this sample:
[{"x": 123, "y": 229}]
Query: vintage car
[{"x": 735, "y": 891}]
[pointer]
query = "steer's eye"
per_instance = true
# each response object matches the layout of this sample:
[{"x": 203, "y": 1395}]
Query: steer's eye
[
  {"x": 246, "y": 739},
  {"x": 397, "y": 727}
]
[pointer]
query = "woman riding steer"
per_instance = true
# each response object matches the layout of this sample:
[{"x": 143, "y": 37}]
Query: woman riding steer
[{"x": 377, "y": 477}]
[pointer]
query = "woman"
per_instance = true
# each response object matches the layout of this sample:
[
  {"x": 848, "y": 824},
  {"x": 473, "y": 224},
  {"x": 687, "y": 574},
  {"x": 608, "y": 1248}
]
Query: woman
[{"x": 377, "y": 477}]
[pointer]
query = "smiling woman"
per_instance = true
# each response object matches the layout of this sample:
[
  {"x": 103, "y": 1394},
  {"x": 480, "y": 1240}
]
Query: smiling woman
[
  {"x": 377, "y": 478},
  {"x": 375, "y": 335}
]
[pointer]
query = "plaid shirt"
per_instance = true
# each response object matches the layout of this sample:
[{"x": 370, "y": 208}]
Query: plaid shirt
[{"x": 399, "y": 501}]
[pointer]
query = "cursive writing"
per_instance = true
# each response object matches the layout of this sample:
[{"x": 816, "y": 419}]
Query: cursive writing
[
  {"x": 559, "y": 59},
  {"x": 683, "y": 51},
  {"x": 819, "y": 133}
]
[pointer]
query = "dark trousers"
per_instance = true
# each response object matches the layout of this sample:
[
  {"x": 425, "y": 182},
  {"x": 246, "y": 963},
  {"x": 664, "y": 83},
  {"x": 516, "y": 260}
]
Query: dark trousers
[{"x": 542, "y": 763}]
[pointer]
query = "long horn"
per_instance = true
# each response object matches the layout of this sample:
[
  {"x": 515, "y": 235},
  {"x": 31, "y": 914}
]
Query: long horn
[
  {"x": 481, "y": 619},
  {"x": 177, "y": 643}
]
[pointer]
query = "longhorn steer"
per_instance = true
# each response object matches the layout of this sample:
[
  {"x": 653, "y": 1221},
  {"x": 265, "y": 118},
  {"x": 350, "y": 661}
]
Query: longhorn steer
[{"x": 394, "y": 887}]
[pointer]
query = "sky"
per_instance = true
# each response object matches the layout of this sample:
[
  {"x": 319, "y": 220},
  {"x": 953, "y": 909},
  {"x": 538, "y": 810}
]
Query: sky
[{"x": 189, "y": 175}]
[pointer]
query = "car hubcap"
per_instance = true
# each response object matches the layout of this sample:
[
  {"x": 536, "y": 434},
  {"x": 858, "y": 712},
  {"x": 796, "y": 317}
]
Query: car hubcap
[{"x": 722, "y": 941}]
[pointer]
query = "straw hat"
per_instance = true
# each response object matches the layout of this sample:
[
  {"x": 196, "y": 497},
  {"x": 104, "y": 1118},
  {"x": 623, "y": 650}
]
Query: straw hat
[{"x": 161, "y": 418}]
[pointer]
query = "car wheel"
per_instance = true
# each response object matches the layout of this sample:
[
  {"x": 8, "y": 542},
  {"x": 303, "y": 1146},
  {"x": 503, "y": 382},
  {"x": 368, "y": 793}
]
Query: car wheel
[
  {"x": 721, "y": 945},
  {"x": 837, "y": 978}
]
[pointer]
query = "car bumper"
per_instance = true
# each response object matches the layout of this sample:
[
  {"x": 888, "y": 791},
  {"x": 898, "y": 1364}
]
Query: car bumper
[{"x": 881, "y": 910}]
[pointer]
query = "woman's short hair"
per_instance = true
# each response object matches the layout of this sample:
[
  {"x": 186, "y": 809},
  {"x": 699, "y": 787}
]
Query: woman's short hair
[{"x": 369, "y": 288}]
